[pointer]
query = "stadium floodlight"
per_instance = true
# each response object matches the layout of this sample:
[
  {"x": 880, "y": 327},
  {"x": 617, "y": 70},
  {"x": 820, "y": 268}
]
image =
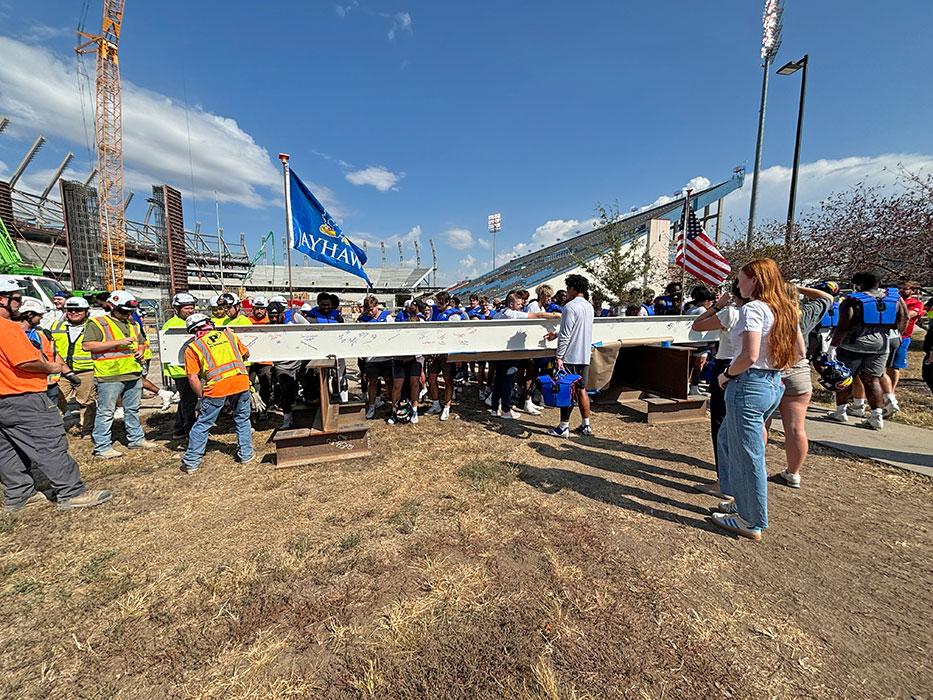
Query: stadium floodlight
[
  {"x": 790, "y": 68},
  {"x": 772, "y": 26},
  {"x": 495, "y": 225}
]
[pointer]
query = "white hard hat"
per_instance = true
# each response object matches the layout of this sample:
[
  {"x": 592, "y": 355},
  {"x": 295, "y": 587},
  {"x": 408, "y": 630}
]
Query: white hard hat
[
  {"x": 278, "y": 298},
  {"x": 213, "y": 300},
  {"x": 260, "y": 302},
  {"x": 77, "y": 304},
  {"x": 123, "y": 300},
  {"x": 196, "y": 321},
  {"x": 31, "y": 305},
  {"x": 183, "y": 299},
  {"x": 7, "y": 286}
]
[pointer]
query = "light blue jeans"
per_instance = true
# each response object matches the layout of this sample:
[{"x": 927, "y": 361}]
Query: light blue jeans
[
  {"x": 207, "y": 417},
  {"x": 107, "y": 395},
  {"x": 750, "y": 399}
]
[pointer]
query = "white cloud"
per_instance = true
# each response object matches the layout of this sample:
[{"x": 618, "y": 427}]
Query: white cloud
[
  {"x": 43, "y": 32},
  {"x": 401, "y": 22},
  {"x": 467, "y": 267},
  {"x": 343, "y": 10},
  {"x": 483, "y": 243},
  {"x": 458, "y": 238},
  {"x": 40, "y": 91},
  {"x": 377, "y": 176},
  {"x": 697, "y": 183},
  {"x": 815, "y": 182}
]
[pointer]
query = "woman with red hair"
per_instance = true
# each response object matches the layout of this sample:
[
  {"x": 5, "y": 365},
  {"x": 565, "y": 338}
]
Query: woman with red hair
[{"x": 768, "y": 334}]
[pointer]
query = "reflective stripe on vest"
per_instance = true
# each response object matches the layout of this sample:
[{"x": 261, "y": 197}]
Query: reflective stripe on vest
[
  {"x": 72, "y": 352},
  {"x": 219, "y": 355},
  {"x": 112, "y": 363}
]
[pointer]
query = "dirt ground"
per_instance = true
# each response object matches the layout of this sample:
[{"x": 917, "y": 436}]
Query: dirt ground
[{"x": 471, "y": 559}]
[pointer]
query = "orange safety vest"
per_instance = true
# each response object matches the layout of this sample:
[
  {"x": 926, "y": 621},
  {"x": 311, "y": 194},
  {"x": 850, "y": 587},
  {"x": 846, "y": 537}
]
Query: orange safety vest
[{"x": 219, "y": 356}]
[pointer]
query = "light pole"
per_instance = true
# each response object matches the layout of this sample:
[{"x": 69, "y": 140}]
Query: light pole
[
  {"x": 770, "y": 43},
  {"x": 495, "y": 225},
  {"x": 790, "y": 68}
]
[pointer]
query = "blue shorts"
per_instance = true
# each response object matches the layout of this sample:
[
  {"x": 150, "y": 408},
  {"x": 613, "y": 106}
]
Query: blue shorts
[{"x": 899, "y": 360}]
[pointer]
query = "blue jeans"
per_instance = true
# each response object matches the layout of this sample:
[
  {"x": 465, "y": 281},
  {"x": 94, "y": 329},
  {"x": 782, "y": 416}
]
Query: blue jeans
[
  {"x": 107, "y": 395},
  {"x": 210, "y": 409},
  {"x": 750, "y": 399}
]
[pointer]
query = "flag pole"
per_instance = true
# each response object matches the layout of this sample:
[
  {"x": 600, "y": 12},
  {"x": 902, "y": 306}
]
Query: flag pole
[
  {"x": 683, "y": 235},
  {"x": 289, "y": 232}
]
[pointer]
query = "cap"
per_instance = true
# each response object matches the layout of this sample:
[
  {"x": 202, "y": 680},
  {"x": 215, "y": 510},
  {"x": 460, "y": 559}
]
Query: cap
[
  {"x": 123, "y": 300},
  {"x": 196, "y": 321},
  {"x": 62, "y": 293},
  {"x": 8, "y": 286},
  {"x": 183, "y": 299},
  {"x": 31, "y": 305},
  {"x": 260, "y": 303},
  {"x": 76, "y": 304}
]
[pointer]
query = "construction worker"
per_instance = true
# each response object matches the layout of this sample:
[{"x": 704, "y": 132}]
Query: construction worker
[
  {"x": 58, "y": 312},
  {"x": 31, "y": 430},
  {"x": 117, "y": 351},
  {"x": 76, "y": 401},
  {"x": 184, "y": 306},
  {"x": 218, "y": 310},
  {"x": 31, "y": 313},
  {"x": 233, "y": 315},
  {"x": 260, "y": 373},
  {"x": 216, "y": 369}
]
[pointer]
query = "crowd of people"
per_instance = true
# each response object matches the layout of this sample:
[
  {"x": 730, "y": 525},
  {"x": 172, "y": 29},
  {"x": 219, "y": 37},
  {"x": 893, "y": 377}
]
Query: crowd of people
[{"x": 84, "y": 364}]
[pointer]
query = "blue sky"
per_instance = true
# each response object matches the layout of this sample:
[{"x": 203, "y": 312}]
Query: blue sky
[{"x": 415, "y": 119}]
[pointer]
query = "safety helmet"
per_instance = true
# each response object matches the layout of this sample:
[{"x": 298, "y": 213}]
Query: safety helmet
[
  {"x": 279, "y": 299},
  {"x": 183, "y": 299},
  {"x": 275, "y": 307},
  {"x": 402, "y": 411},
  {"x": 834, "y": 376},
  {"x": 123, "y": 300},
  {"x": 8, "y": 286},
  {"x": 260, "y": 303},
  {"x": 213, "y": 301},
  {"x": 76, "y": 304},
  {"x": 227, "y": 299},
  {"x": 196, "y": 322},
  {"x": 827, "y": 286},
  {"x": 31, "y": 305}
]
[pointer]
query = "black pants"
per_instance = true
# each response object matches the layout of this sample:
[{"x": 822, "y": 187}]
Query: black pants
[
  {"x": 187, "y": 406},
  {"x": 503, "y": 384},
  {"x": 927, "y": 372},
  {"x": 262, "y": 375},
  {"x": 717, "y": 405},
  {"x": 286, "y": 387}
]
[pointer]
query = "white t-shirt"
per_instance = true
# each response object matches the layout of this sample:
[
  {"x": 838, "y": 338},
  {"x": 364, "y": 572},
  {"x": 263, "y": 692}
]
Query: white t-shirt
[
  {"x": 533, "y": 307},
  {"x": 727, "y": 319},
  {"x": 575, "y": 337},
  {"x": 511, "y": 313},
  {"x": 755, "y": 316}
]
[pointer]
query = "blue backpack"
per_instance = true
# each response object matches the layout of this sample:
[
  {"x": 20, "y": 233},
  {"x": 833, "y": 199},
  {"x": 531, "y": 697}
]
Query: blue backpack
[
  {"x": 878, "y": 311},
  {"x": 831, "y": 317},
  {"x": 333, "y": 316}
]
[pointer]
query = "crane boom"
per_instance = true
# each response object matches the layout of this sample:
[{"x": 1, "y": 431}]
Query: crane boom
[{"x": 109, "y": 139}]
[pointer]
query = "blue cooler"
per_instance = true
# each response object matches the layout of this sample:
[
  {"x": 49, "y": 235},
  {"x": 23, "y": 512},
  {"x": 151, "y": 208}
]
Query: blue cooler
[{"x": 557, "y": 391}]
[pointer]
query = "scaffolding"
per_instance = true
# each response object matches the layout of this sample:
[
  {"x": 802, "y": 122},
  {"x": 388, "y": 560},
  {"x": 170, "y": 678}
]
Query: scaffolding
[{"x": 83, "y": 235}]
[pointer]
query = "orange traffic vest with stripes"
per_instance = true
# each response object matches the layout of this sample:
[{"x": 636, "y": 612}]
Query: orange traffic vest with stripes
[
  {"x": 219, "y": 356},
  {"x": 112, "y": 363}
]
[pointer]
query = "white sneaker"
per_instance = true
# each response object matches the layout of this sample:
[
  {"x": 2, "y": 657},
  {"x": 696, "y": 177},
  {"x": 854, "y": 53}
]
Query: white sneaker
[
  {"x": 435, "y": 408},
  {"x": 792, "y": 480},
  {"x": 874, "y": 421},
  {"x": 145, "y": 445},
  {"x": 166, "y": 396},
  {"x": 371, "y": 412},
  {"x": 857, "y": 411},
  {"x": 838, "y": 417},
  {"x": 445, "y": 413},
  {"x": 109, "y": 453},
  {"x": 424, "y": 392},
  {"x": 286, "y": 421},
  {"x": 531, "y": 409},
  {"x": 118, "y": 413},
  {"x": 891, "y": 408},
  {"x": 414, "y": 418}
]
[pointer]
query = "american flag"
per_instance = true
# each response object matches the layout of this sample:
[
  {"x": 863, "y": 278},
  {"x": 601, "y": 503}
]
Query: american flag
[{"x": 704, "y": 261}]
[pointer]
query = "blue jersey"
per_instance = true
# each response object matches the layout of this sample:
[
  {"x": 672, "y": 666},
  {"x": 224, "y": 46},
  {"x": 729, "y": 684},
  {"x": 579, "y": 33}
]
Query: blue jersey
[
  {"x": 332, "y": 316},
  {"x": 368, "y": 318},
  {"x": 453, "y": 313},
  {"x": 554, "y": 308},
  {"x": 649, "y": 309}
]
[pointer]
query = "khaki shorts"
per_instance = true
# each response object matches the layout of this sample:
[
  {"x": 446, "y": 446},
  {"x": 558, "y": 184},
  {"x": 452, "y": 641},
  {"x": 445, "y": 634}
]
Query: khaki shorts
[{"x": 797, "y": 379}]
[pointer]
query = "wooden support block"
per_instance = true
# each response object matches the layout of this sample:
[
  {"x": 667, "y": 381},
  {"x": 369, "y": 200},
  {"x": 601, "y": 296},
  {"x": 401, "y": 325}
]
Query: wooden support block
[
  {"x": 309, "y": 446},
  {"x": 661, "y": 410}
]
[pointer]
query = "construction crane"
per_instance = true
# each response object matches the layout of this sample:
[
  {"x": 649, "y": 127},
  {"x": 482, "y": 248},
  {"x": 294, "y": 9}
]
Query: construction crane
[
  {"x": 256, "y": 258},
  {"x": 109, "y": 139}
]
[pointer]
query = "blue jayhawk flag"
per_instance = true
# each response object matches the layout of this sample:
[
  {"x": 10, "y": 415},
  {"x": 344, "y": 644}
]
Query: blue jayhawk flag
[{"x": 318, "y": 236}]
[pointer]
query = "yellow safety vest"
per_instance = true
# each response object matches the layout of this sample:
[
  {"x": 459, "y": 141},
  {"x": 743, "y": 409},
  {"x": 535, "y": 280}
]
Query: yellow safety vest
[
  {"x": 115, "y": 362},
  {"x": 173, "y": 371},
  {"x": 219, "y": 356},
  {"x": 240, "y": 320},
  {"x": 73, "y": 353}
]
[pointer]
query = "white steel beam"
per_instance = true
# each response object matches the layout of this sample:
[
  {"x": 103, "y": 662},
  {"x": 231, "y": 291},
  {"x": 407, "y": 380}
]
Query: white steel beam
[{"x": 348, "y": 340}]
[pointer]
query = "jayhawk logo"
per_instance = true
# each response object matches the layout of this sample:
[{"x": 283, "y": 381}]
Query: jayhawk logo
[{"x": 327, "y": 230}]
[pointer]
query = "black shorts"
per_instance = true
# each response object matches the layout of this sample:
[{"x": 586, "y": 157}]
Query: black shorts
[
  {"x": 438, "y": 364},
  {"x": 379, "y": 368},
  {"x": 406, "y": 367},
  {"x": 582, "y": 370}
]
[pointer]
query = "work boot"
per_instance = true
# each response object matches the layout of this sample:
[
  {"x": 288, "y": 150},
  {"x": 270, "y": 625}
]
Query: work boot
[
  {"x": 109, "y": 453},
  {"x": 35, "y": 500},
  {"x": 145, "y": 445},
  {"x": 88, "y": 499}
]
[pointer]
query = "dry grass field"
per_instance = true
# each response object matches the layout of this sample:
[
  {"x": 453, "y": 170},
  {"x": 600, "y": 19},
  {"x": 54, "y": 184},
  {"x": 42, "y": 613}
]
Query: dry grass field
[{"x": 472, "y": 559}]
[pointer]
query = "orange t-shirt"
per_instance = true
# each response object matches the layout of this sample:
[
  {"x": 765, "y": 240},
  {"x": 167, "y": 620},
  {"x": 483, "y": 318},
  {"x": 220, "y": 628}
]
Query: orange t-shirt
[
  {"x": 15, "y": 349},
  {"x": 228, "y": 386}
]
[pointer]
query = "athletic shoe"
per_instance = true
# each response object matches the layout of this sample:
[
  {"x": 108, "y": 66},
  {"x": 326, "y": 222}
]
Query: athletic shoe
[
  {"x": 727, "y": 507},
  {"x": 371, "y": 412},
  {"x": 737, "y": 525},
  {"x": 445, "y": 413},
  {"x": 559, "y": 432},
  {"x": 166, "y": 397},
  {"x": 379, "y": 402},
  {"x": 874, "y": 421},
  {"x": 414, "y": 418},
  {"x": 531, "y": 409},
  {"x": 435, "y": 408},
  {"x": 251, "y": 459},
  {"x": 390, "y": 420},
  {"x": 286, "y": 421},
  {"x": 145, "y": 445},
  {"x": 36, "y": 499},
  {"x": 792, "y": 480},
  {"x": 837, "y": 417},
  {"x": 891, "y": 408},
  {"x": 584, "y": 430},
  {"x": 118, "y": 413},
  {"x": 109, "y": 453},
  {"x": 190, "y": 470},
  {"x": 88, "y": 499},
  {"x": 857, "y": 411},
  {"x": 424, "y": 392}
]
